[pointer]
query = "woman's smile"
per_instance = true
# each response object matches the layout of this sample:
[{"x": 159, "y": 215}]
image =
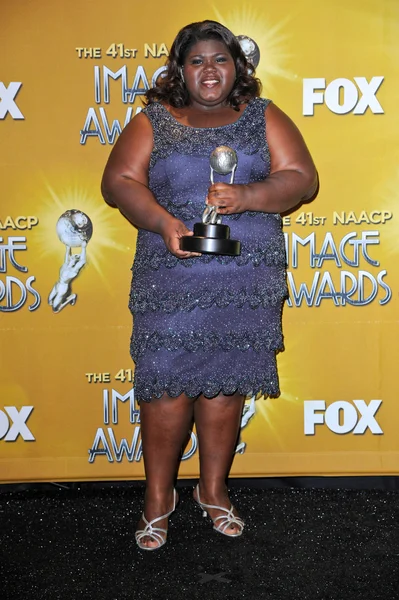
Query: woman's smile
[{"x": 210, "y": 82}]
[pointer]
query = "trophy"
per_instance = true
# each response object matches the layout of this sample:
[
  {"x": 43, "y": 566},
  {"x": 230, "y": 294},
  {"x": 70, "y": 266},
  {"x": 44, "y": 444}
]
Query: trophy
[{"x": 210, "y": 236}]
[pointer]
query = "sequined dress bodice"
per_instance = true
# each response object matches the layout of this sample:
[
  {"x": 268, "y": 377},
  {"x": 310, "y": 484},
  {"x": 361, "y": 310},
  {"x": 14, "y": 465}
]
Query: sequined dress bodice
[{"x": 180, "y": 178}]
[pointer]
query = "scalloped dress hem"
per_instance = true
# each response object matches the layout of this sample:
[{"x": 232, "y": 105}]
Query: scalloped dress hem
[{"x": 172, "y": 393}]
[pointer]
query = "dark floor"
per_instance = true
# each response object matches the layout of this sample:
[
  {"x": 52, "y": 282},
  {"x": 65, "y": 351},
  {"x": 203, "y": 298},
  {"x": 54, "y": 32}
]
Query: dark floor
[{"x": 298, "y": 544}]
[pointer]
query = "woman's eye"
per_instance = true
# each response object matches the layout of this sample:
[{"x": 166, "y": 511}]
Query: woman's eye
[
  {"x": 196, "y": 61},
  {"x": 221, "y": 59}
]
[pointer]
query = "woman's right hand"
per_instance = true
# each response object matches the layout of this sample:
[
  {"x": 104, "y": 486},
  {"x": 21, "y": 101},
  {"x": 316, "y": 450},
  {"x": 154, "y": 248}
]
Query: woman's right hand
[{"x": 172, "y": 232}]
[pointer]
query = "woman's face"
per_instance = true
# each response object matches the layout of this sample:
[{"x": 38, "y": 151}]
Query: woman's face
[{"x": 209, "y": 73}]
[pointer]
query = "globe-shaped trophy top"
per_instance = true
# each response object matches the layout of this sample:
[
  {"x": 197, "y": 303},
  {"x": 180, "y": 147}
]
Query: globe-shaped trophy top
[
  {"x": 250, "y": 49},
  {"x": 74, "y": 227},
  {"x": 223, "y": 160}
]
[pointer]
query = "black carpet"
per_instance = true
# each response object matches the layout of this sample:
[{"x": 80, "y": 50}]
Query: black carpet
[{"x": 298, "y": 544}]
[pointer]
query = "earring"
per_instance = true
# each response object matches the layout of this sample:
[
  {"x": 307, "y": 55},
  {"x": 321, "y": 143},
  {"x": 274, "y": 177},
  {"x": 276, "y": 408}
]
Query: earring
[{"x": 182, "y": 74}]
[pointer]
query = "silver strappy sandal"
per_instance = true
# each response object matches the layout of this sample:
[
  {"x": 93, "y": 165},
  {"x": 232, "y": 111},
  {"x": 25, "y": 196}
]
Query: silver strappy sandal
[
  {"x": 157, "y": 534},
  {"x": 221, "y": 523}
]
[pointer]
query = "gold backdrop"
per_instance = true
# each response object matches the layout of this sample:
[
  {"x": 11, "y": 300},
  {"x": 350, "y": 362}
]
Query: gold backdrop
[{"x": 72, "y": 75}]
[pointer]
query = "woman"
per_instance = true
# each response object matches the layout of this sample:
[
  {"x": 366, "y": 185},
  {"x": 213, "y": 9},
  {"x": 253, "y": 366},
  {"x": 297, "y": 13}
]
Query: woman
[{"x": 206, "y": 328}]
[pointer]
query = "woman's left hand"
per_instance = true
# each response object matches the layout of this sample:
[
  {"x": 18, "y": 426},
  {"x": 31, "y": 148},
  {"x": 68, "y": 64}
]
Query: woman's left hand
[{"x": 228, "y": 198}]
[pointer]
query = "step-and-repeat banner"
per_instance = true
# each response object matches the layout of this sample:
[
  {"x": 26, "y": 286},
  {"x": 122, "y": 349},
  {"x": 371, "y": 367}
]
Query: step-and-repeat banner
[{"x": 72, "y": 75}]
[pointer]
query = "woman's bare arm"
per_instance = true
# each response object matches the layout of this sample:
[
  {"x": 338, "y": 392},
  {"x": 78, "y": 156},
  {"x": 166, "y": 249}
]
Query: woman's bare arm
[{"x": 125, "y": 185}]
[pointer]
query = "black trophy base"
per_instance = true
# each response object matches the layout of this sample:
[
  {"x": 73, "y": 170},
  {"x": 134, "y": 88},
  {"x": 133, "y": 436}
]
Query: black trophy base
[{"x": 211, "y": 239}]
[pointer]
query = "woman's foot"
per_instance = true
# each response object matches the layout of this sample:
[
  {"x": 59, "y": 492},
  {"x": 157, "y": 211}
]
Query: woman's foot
[
  {"x": 219, "y": 508},
  {"x": 152, "y": 529}
]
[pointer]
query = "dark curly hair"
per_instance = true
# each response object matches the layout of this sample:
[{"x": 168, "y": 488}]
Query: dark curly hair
[{"x": 171, "y": 88}]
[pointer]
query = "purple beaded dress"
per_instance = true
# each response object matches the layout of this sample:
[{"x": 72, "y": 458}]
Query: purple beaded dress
[{"x": 211, "y": 324}]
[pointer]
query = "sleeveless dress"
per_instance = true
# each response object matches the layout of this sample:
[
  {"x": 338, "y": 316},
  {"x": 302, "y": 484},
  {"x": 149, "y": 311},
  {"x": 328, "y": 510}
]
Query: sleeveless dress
[{"x": 210, "y": 324}]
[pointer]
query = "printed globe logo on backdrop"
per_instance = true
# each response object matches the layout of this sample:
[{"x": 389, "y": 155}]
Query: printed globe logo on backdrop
[
  {"x": 342, "y": 417},
  {"x": 74, "y": 229},
  {"x": 342, "y": 96},
  {"x": 8, "y": 104},
  {"x": 13, "y": 424},
  {"x": 250, "y": 49}
]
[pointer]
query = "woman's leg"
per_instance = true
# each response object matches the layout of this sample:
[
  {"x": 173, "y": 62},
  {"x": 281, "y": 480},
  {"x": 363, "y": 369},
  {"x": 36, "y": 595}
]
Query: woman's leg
[
  {"x": 165, "y": 425},
  {"x": 217, "y": 423}
]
